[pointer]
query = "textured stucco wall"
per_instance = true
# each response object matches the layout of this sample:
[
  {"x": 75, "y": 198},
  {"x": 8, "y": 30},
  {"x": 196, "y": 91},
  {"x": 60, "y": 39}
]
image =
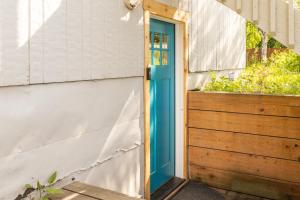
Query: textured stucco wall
[{"x": 73, "y": 128}]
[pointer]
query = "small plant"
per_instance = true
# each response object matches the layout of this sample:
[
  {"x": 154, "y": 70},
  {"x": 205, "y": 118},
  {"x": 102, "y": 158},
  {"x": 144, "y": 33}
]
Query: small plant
[{"x": 43, "y": 191}]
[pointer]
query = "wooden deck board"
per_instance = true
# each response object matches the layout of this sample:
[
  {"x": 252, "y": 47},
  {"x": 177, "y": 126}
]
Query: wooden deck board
[
  {"x": 81, "y": 191},
  {"x": 67, "y": 195}
]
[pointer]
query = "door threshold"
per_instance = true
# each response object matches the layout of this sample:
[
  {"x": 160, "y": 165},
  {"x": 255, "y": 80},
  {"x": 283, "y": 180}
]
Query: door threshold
[{"x": 169, "y": 189}]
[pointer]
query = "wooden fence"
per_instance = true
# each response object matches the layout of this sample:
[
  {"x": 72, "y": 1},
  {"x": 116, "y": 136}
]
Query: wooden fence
[{"x": 246, "y": 143}]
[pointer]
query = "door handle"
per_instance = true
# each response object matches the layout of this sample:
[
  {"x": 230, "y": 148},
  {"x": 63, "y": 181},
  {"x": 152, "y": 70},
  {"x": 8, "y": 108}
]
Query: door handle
[{"x": 148, "y": 73}]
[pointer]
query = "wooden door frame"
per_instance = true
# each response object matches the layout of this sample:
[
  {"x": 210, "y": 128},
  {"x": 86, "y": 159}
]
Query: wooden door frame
[{"x": 154, "y": 8}]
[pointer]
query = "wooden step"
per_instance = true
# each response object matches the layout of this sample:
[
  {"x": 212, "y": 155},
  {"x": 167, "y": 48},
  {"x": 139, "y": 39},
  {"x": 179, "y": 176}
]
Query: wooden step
[{"x": 81, "y": 191}]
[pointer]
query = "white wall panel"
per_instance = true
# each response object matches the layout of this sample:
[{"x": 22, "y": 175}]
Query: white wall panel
[
  {"x": 181, "y": 4},
  {"x": 217, "y": 37},
  {"x": 67, "y": 127},
  {"x": 264, "y": 15},
  {"x": 14, "y": 54},
  {"x": 207, "y": 37},
  {"x": 55, "y": 41},
  {"x": 194, "y": 28},
  {"x": 231, "y": 50},
  {"x": 123, "y": 174},
  {"x": 84, "y": 40},
  {"x": 282, "y": 21},
  {"x": 247, "y": 8},
  {"x": 37, "y": 42},
  {"x": 297, "y": 28},
  {"x": 74, "y": 40}
]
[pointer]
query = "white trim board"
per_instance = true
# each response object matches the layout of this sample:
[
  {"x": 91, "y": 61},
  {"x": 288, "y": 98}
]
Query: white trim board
[{"x": 179, "y": 101}]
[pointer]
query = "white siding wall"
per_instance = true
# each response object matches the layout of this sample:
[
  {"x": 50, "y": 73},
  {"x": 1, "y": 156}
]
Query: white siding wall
[
  {"x": 217, "y": 41},
  {"x": 72, "y": 127},
  {"x": 181, "y": 4},
  {"x": 218, "y": 37},
  {"x": 65, "y": 40},
  {"x": 14, "y": 32},
  {"x": 84, "y": 39}
]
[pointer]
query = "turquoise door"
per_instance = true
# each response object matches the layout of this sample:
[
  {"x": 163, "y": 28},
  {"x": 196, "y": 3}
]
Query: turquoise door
[{"x": 162, "y": 99}]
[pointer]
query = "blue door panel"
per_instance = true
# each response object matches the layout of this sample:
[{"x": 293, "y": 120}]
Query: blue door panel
[{"x": 162, "y": 99}]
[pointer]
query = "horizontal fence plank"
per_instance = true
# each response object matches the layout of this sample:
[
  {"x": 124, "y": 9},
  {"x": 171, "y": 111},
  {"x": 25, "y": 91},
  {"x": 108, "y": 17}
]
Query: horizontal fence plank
[
  {"x": 246, "y": 123},
  {"x": 244, "y": 183},
  {"x": 248, "y": 98},
  {"x": 253, "y": 104},
  {"x": 246, "y": 163},
  {"x": 246, "y": 143}
]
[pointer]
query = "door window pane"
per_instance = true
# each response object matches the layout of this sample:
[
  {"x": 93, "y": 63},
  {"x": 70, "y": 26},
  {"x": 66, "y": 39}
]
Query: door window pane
[
  {"x": 164, "y": 41},
  {"x": 164, "y": 58},
  {"x": 151, "y": 58},
  {"x": 156, "y": 40},
  {"x": 156, "y": 57}
]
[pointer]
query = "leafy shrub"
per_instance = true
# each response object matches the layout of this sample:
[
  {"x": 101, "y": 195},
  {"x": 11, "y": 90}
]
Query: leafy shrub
[
  {"x": 298, "y": 3},
  {"x": 43, "y": 191},
  {"x": 273, "y": 43},
  {"x": 289, "y": 60},
  {"x": 279, "y": 76},
  {"x": 254, "y": 38}
]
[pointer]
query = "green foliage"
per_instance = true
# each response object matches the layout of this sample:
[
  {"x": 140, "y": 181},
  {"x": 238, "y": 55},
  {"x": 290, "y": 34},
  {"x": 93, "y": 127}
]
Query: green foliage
[
  {"x": 53, "y": 191},
  {"x": 298, "y": 3},
  {"x": 44, "y": 191},
  {"x": 254, "y": 37},
  {"x": 288, "y": 60},
  {"x": 28, "y": 186},
  {"x": 52, "y": 178},
  {"x": 221, "y": 84},
  {"x": 273, "y": 43},
  {"x": 279, "y": 76}
]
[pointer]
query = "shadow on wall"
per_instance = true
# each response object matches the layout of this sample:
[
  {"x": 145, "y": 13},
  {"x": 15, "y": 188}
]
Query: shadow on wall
[
  {"x": 72, "y": 128},
  {"x": 14, "y": 59},
  {"x": 217, "y": 40},
  {"x": 69, "y": 41},
  {"x": 69, "y": 127}
]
